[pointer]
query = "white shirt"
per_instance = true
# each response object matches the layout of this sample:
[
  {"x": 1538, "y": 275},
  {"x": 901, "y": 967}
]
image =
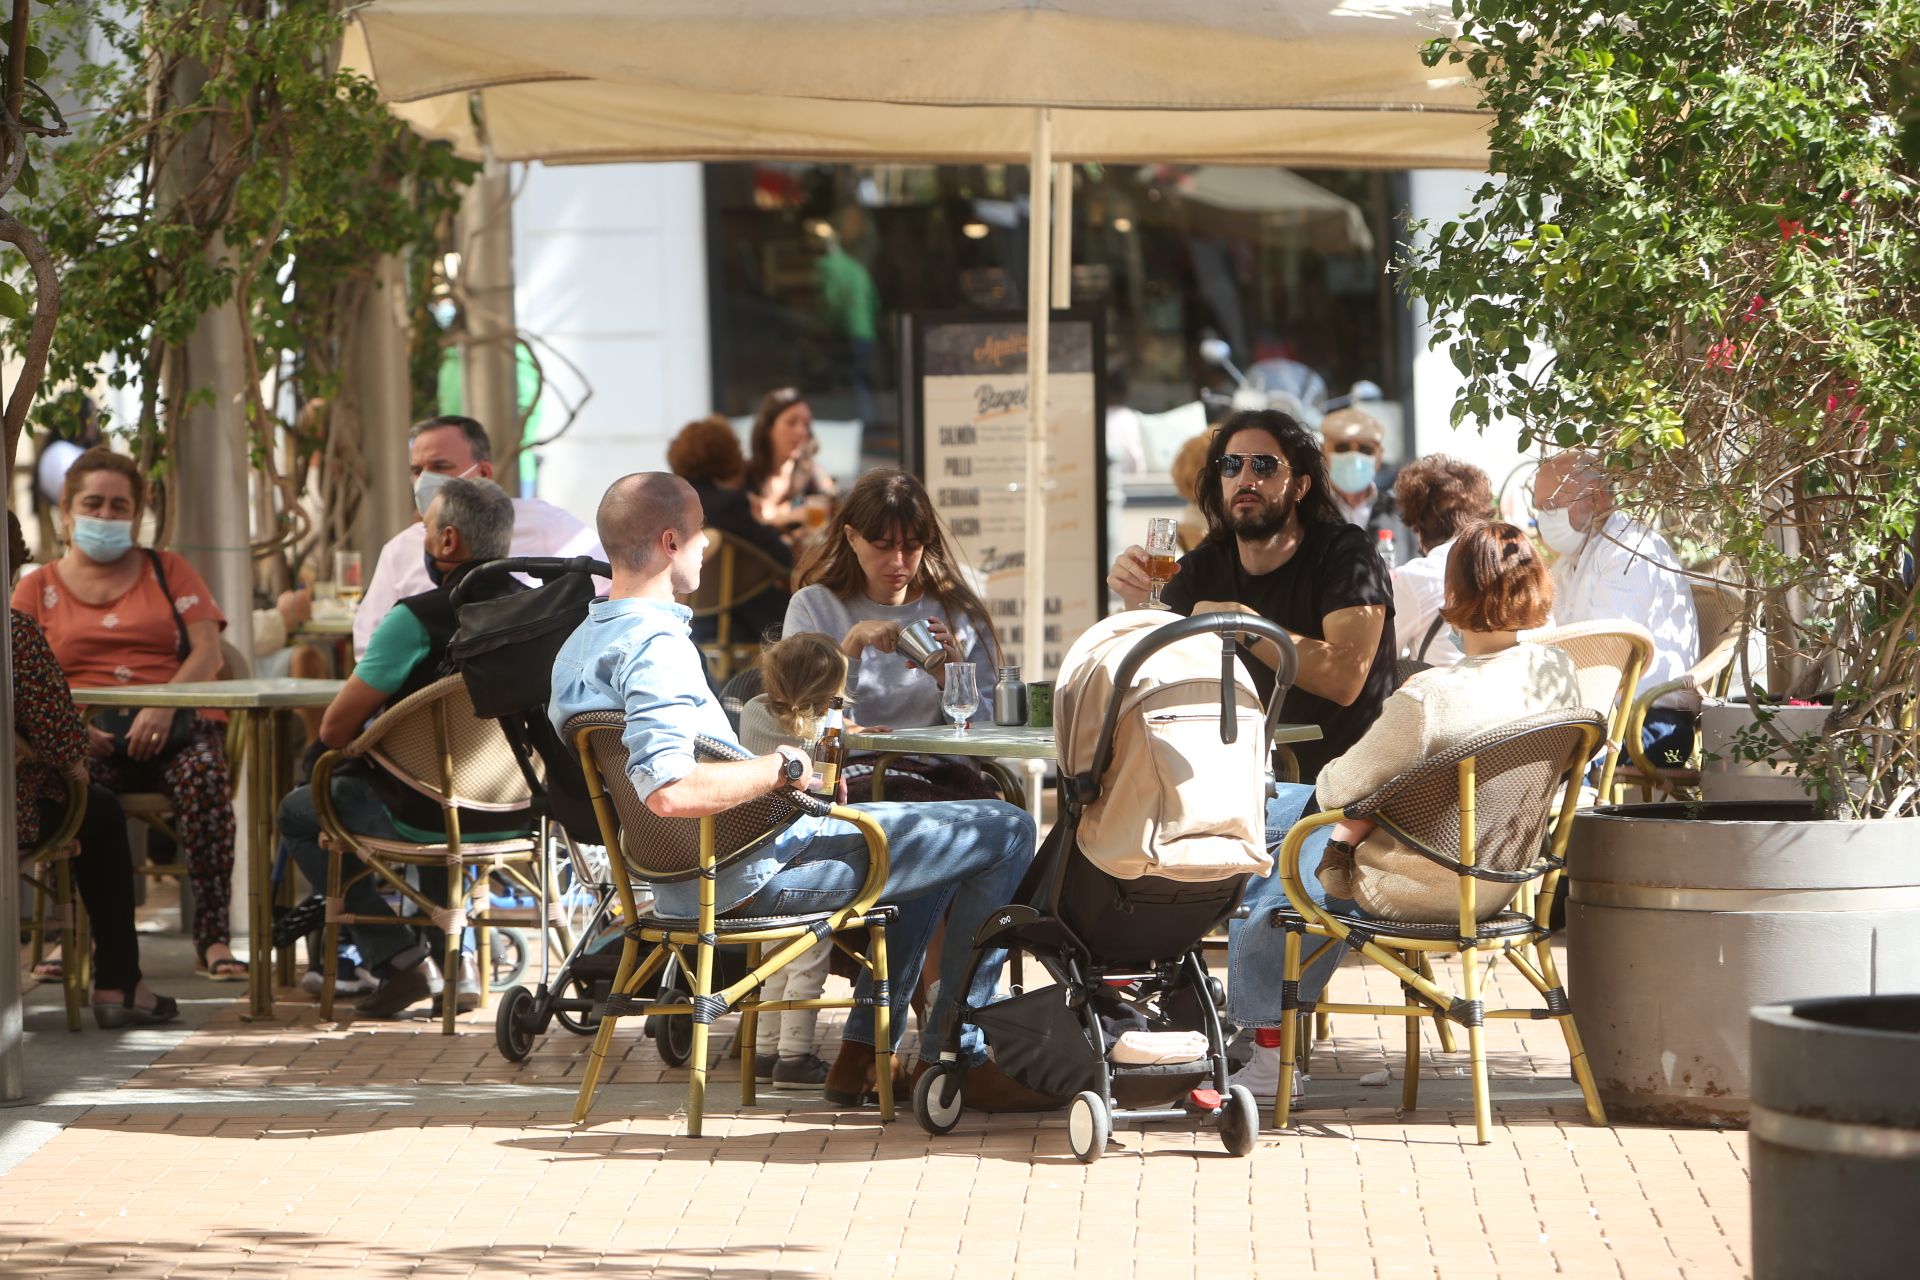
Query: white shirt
[
  {"x": 1360, "y": 513},
  {"x": 1419, "y": 589},
  {"x": 1627, "y": 571},
  {"x": 539, "y": 529}
]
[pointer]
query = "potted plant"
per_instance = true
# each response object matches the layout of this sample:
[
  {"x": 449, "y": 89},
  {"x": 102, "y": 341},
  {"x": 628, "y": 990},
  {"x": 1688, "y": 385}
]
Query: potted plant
[{"x": 1707, "y": 214}]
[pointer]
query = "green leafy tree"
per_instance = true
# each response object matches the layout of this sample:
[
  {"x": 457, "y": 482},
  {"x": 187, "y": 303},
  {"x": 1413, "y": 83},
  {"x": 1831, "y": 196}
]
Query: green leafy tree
[
  {"x": 27, "y": 111},
  {"x": 223, "y": 160},
  {"x": 1706, "y": 212}
]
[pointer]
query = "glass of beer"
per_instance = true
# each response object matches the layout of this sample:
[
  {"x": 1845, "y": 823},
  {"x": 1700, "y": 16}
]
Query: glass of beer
[
  {"x": 1163, "y": 547},
  {"x": 815, "y": 510},
  {"x": 346, "y": 576}
]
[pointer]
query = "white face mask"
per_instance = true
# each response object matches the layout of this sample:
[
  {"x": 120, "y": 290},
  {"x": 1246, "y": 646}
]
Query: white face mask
[
  {"x": 1557, "y": 531},
  {"x": 429, "y": 484},
  {"x": 1352, "y": 472}
]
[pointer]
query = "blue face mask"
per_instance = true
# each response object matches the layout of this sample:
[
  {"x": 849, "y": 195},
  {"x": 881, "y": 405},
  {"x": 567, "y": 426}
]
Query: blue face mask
[
  {"x": 102, "y": 541},
  {"x": 1352, "y": 472},
  {"x": 435, "y": 573},
  {"x": 1459, "y": 641}
]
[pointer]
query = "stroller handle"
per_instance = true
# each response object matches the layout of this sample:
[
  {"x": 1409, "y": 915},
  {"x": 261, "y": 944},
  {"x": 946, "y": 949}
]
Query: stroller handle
[
  {"x": 1229, "y": 627},
  {"x": 545, "y": 568}
]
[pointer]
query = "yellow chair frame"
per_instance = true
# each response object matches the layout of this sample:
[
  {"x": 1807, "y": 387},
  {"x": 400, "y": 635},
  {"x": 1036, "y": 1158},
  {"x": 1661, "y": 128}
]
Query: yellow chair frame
[
  {"x": 1404, "y": 955},
  {"x": 1581, "y": 640},
  {"x": 1712, "y": 675},
  {"x": 596, "y": 737}
]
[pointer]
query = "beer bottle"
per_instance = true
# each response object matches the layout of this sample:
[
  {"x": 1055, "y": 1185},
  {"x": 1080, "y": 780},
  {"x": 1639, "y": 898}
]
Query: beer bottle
[{"x": 831, "y": 753}]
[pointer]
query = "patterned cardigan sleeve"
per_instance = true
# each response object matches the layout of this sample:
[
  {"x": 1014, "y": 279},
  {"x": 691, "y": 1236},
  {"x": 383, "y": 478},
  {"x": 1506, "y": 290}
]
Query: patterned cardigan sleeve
[{"x": 43, "y": 710}]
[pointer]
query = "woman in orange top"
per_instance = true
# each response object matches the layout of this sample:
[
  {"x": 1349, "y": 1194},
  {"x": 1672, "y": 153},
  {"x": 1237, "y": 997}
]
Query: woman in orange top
[{"x": 110, "y": 620}]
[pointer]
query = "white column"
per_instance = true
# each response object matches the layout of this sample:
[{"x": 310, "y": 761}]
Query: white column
[{"x": 1039, "y": 297}]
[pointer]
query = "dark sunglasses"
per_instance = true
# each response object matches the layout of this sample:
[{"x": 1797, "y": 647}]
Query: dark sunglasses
[
  {"x": 1264, "y": 464},
  {"x": 1356, "y": 446}
]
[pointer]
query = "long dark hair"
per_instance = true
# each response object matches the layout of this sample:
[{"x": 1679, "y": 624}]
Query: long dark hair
[
  {"x": 1297, "y": 446},
  {"x": 760, "y": 442},
  {"x": 885, "y": 503}
]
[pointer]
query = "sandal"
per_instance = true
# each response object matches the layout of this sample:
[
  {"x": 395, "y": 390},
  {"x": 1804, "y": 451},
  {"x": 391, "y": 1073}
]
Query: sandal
[
  {"x": 109, "y": 1016},
  {"x": 50, "y": 970},
  {"x": 225, "y": 969}
]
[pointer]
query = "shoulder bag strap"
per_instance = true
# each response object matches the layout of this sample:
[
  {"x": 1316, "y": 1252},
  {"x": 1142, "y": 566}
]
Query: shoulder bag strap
[
  {"x": 179, "y": 624},
  {"x": 1427, "y": 640}
]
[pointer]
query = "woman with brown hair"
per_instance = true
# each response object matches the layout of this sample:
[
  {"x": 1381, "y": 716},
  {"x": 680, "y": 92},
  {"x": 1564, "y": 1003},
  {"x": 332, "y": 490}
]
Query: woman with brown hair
[
  {"x": 706, "y": 454},
  {"x": 1496, "y": 587},
  {"x": 887, "y": 564},
  {"x": 781, "y": 475},
  {"x": 118, "y": 613},
  {"x": 1439, "y": 498}
]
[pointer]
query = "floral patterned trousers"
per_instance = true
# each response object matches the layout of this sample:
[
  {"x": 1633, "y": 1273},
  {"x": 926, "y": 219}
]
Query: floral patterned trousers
[{"x": 195, "y": 780}]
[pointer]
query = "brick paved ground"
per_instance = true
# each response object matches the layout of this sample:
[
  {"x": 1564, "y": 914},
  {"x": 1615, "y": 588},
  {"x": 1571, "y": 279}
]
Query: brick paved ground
[{"x": 286, "y": 1148}]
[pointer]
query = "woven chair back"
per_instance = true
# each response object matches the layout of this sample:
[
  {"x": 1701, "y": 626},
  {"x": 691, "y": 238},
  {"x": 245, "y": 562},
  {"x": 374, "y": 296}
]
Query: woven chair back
[
  {"x": 1720, "y": 610},
  {"x": 732, "y": 572},
  {"x": 664, "y": 850},
  {"x": 485, "y": 774},
  {"x": 1601, "y": 652},
  {"x": 1518, "y": 768}
]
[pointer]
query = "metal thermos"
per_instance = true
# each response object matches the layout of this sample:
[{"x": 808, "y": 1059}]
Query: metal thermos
[{"x": 1009, "y": 698}]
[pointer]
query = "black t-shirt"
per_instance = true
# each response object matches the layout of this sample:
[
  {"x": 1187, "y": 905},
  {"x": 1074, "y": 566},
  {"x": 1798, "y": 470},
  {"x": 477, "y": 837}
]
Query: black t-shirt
[{"x": 1335, "y": 568}]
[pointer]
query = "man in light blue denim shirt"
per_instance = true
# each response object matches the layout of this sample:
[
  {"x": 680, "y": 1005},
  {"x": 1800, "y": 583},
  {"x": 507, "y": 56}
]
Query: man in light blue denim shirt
[{"x": 959, "y": 861}]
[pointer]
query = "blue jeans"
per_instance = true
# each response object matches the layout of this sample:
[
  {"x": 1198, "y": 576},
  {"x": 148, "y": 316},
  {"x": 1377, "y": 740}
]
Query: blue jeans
[
  {"x": 360, "y": 810},
  {"x": 959, "y": 859},
  {"x": 1256, "y": 955}
]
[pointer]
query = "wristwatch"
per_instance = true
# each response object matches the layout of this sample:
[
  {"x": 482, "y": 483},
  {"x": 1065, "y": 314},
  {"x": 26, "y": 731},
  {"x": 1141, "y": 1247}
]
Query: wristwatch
[{"x": 795, "y": 766}]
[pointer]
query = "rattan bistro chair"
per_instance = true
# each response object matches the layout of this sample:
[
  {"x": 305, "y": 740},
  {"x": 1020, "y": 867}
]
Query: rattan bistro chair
[
  {"x": 433, "y": 742},
  {"x": 664, "y": 850},
  {"x": 732, "y": 573},
  {"x": 1482, "y": 810},
  {"x": 56, "y": 911},
  {"x": 1721, "y": 612},
  {"x": 1608, "y": 659}
]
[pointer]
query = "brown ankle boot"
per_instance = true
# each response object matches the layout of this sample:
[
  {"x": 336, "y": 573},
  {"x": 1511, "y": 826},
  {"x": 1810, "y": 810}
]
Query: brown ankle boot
[{"x": 851, "y": 1077}]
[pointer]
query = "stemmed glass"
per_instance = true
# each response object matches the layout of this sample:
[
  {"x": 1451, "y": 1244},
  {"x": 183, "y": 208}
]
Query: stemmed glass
[
  {"x": 1163, "y": 546},
  {"x": 960, "y": 696}
]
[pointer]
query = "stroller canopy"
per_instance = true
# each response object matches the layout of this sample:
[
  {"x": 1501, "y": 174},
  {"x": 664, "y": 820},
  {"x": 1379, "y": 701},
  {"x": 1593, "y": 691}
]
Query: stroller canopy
[{"x": 1175, "y": 801}]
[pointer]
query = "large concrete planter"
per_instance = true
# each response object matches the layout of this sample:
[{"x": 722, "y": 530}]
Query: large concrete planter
[
  {"x": 1723, "y": 778},
  {"x": 1835, "y": 1137},
  {"x": 1682, "y": 917}
]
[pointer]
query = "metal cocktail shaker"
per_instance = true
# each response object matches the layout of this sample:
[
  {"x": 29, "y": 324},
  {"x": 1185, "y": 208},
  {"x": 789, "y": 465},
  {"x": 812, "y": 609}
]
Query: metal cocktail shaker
[{"x": 1009, "y": 698}]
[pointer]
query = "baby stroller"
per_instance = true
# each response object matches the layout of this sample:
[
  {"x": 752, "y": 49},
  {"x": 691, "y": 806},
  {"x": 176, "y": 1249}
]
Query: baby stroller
[
  {"x": 1164, "y": 776},
  {"x": 505, "y": 649}
]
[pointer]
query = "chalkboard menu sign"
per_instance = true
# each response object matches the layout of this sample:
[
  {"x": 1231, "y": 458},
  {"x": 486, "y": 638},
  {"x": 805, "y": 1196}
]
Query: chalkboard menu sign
[{"x": 966, "y": 438}]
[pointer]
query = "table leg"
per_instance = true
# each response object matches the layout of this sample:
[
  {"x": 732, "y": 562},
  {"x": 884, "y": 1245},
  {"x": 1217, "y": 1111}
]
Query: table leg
[{"x": 261, "y": 805}]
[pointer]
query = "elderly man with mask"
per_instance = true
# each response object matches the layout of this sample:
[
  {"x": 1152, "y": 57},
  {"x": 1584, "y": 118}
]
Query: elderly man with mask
[
  {"x": 1355, "y": 446},
  {"x": 441, "y": 449},
  {"x": 1612, "y": 568}
]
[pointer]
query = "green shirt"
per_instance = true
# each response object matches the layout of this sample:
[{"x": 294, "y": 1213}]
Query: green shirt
[{"x": 398, "y": 645}]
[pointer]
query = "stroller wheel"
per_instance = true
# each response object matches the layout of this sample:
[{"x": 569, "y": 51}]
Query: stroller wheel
[
  {"x": 1089, "y": 1125},
  {"x": 581, "y": 1024},
  {"x": 514, "y": 1024},
  {"x": 510, "y": 952},
  {"x": 672, "y": 1032},
  {"x": 1240, "y": 1121},
  {"x": 939, "y": 1098}
]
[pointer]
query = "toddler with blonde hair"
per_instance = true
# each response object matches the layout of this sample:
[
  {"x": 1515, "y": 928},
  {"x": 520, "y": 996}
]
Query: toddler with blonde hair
[{"x": 802, "y": 674}]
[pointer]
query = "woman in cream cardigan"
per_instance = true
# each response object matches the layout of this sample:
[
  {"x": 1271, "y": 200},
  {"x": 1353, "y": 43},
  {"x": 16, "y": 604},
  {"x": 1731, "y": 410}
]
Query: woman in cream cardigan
[{"x": 1496, "y": 587}]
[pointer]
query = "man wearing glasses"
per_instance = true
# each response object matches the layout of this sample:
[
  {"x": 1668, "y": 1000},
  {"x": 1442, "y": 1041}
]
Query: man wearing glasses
[
  {"x": 1355, "y": 447},
  {"x": 1278, "y": 545}
]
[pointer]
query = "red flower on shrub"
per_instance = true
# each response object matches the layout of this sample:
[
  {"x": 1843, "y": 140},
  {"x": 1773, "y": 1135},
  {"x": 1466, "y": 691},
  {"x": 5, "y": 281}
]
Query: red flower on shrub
[
  {"x": 1756, "y": 307},
  {"x": 1723, "y": 354}
]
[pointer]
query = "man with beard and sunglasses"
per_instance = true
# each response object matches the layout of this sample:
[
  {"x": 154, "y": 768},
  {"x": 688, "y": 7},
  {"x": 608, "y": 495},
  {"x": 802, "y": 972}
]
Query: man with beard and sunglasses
[{"x": 1278, "y": 545}]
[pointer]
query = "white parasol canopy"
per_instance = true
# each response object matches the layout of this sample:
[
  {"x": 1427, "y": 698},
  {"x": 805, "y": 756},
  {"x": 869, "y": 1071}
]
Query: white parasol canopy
[{"x": 1334, "y": 83}]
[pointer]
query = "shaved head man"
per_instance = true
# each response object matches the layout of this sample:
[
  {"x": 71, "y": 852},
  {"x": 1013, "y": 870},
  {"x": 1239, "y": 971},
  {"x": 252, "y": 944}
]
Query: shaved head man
[{"x": 635, "y": 654}]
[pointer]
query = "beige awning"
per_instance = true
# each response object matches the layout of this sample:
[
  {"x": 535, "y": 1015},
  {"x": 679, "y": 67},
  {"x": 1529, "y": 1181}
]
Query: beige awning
[{"x": 1311, "y": 84}]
